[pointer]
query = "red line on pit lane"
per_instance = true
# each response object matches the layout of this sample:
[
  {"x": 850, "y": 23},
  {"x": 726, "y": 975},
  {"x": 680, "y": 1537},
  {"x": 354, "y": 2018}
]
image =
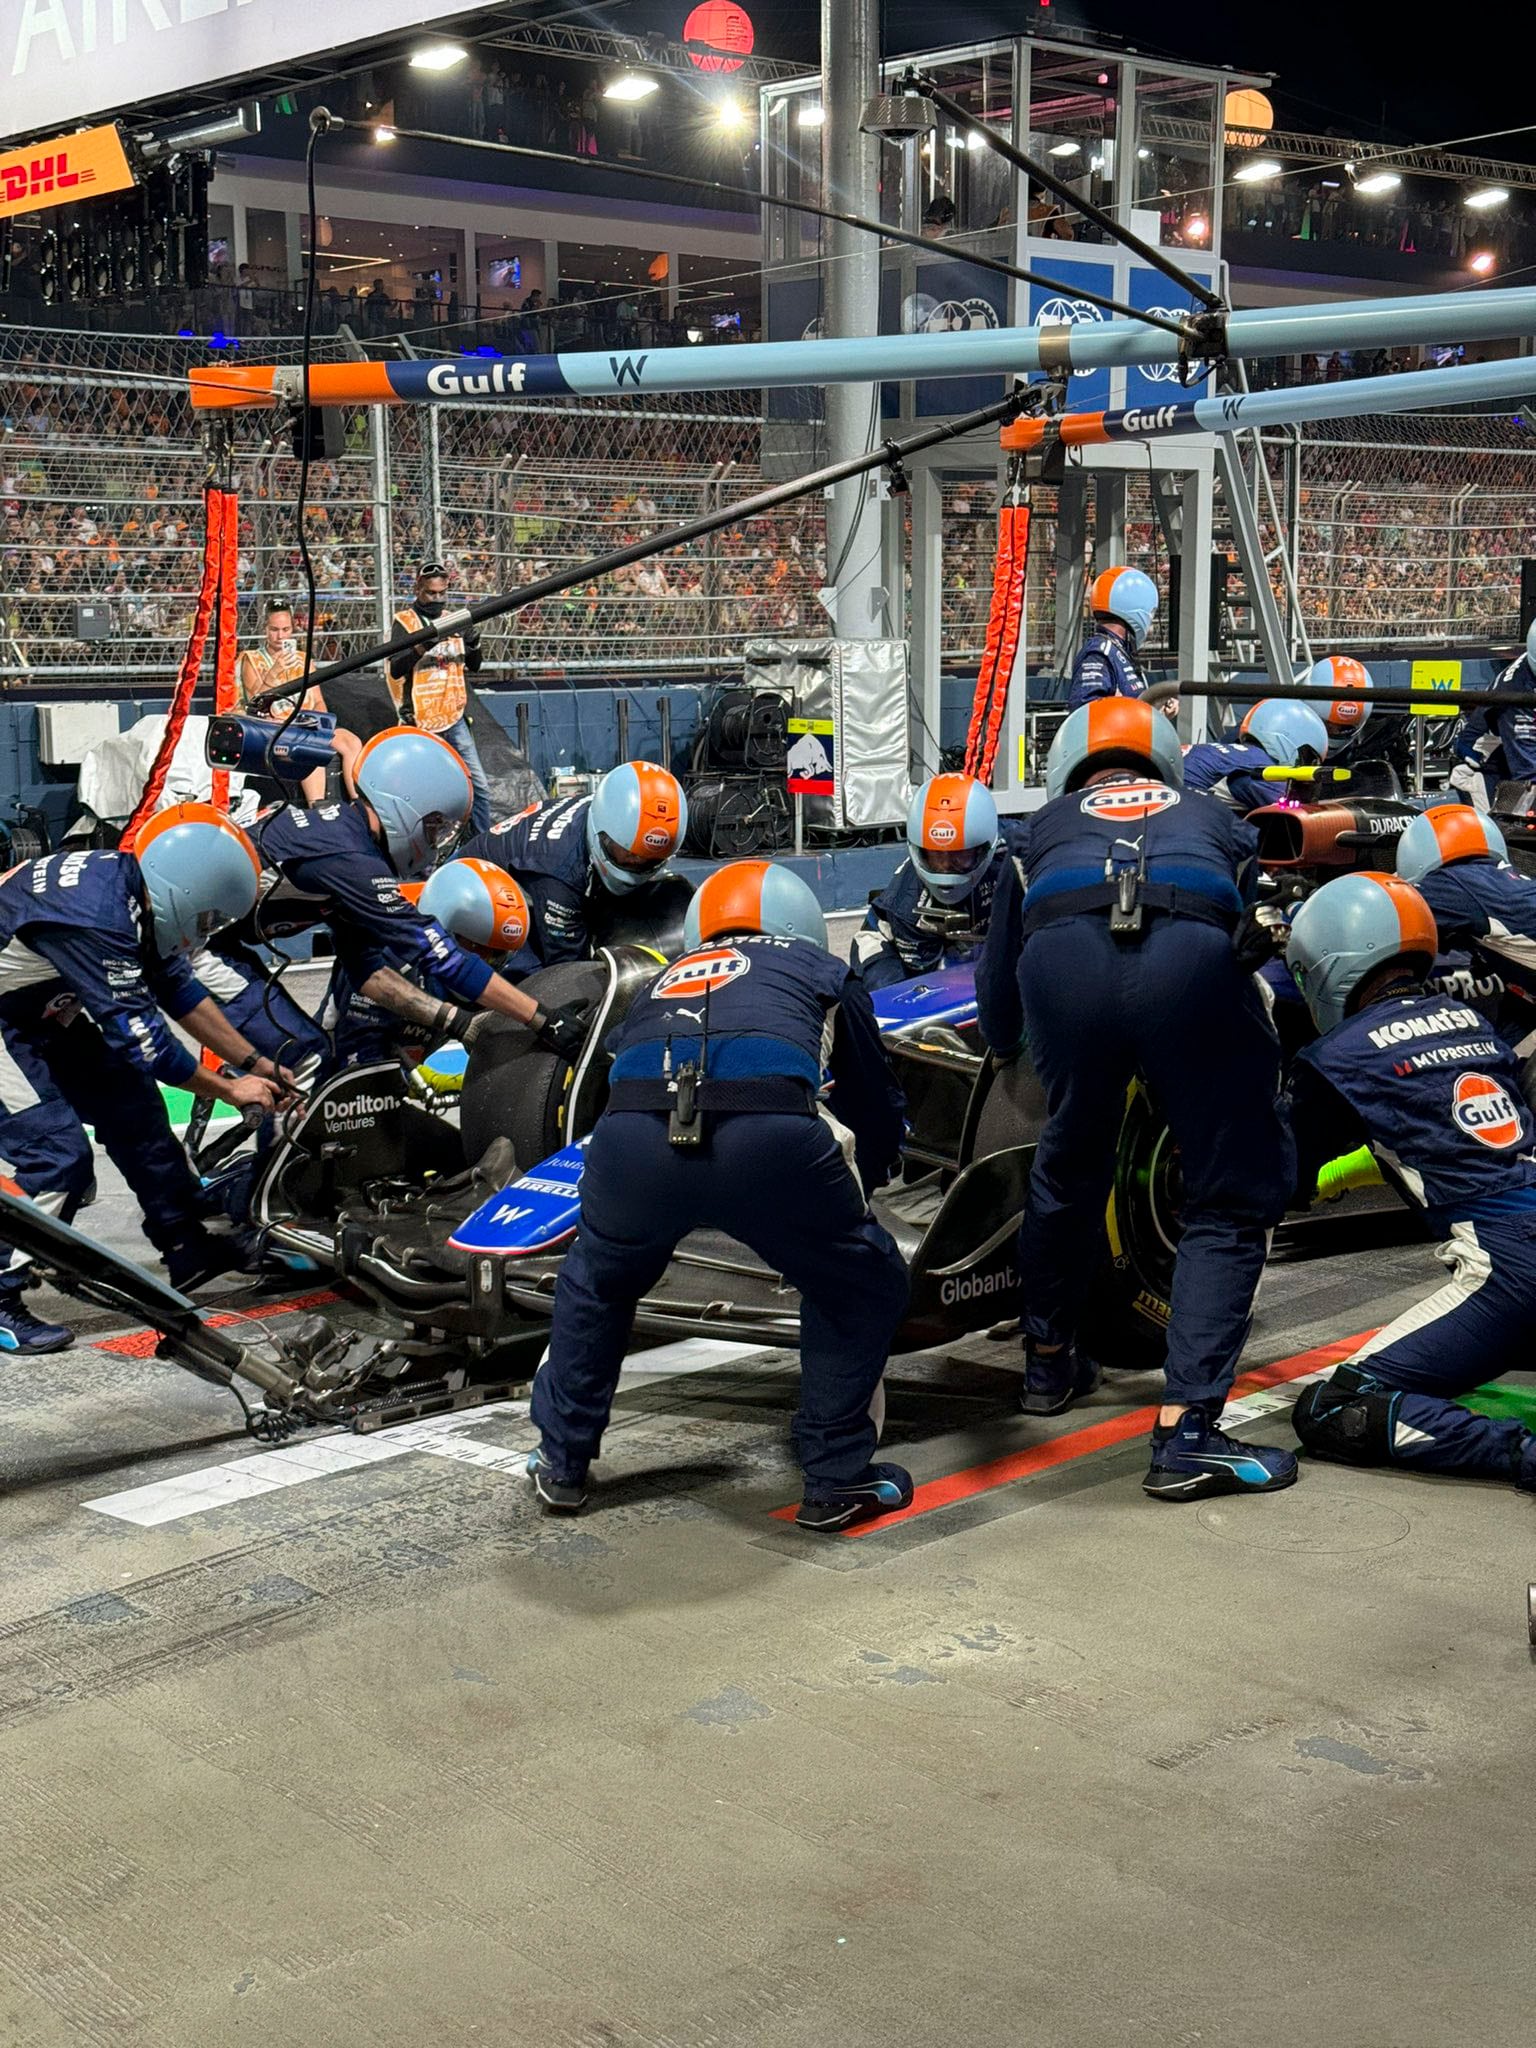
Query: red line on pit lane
[
  {"x": 142, "y": 1343},
  {"x": 1081, "y": 1443}
]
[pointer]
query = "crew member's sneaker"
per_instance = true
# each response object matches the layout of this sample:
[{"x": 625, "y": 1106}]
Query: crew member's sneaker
[
  {"x": 560, "y": 1493},
  {"x": 879, "y": 1490},
  {"x": 1195, "y": 1458},
  {"x": 1054, "y": 1382},
  {"x": 21, "y": 1331}
]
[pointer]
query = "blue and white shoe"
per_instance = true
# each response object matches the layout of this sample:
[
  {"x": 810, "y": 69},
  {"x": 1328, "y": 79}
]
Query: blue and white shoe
[
  {"x": 1055, "y": 1382},
  {"x": 20, "y": 1331},
  {"x": 559, "y": 1493},
  {"x": 1195, "y": 1459},
  {"x": 878, "y": 1490}
]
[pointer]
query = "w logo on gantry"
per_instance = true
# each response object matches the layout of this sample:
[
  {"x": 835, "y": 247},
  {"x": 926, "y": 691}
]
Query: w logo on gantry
[{"x": 626, "y": 369}]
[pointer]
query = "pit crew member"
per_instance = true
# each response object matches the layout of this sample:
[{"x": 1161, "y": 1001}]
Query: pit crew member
[
  {"x": 933, "y": 912},
  {"x": 1111, "y": 949},
  {"x": 413, "y": 796},
  {"x": 92, "y": 952},
  {"x": 1435, "y": 1092},
  {"x": 718, "y": 1118},
  {"x": 1124, "y": 604},
  {"x": 1277, "y": 733},
  {"x": 563, "y": 853}
]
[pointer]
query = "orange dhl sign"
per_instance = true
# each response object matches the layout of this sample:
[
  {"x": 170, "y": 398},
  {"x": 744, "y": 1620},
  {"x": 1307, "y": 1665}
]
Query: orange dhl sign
[{"x": 64, "y": 171}]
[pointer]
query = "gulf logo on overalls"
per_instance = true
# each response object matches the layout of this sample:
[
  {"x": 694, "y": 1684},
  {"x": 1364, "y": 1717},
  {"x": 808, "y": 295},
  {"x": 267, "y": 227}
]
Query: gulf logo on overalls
[
  {"x": 700, "y": 972},
  {"x": 1485, "y": 1110},
  {"x": 1129, "y": 800}
]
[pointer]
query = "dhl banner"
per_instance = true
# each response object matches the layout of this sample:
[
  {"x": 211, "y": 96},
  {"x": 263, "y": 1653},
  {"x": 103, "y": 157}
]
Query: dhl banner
[{"x": 64, "y": 171}]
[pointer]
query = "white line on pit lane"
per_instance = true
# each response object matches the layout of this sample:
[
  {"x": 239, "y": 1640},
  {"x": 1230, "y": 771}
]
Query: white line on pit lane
[{"x": 439, "y": 1436}]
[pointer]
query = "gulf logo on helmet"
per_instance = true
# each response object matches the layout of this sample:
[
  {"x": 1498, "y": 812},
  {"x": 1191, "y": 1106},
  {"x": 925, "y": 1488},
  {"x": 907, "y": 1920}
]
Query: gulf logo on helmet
[
  {"x": 1485, "y": 1110},
  {"x": 944, "y": 811},
  {"x": 699, "y": 973},
  {"x": 660, "y": 811},
  {"x": 1130, "y": 800}
]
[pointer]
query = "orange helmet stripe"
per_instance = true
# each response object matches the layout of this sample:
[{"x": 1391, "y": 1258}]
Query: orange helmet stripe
[
  {"x": 945, "y": 804},
  {"x": 731, "y": 899},
  {"x": 660, "y": 810},
  {"x": 192, "y": 814},
  {"x": 1103, "y": 584},
  {"x": 1415, "y": 919},
  {"x": 1120, "y": 723},
  {"x": 1458, "y": 832},
  {"x": 1348, "y": 673},
  {"x": 509, "y": 906}
]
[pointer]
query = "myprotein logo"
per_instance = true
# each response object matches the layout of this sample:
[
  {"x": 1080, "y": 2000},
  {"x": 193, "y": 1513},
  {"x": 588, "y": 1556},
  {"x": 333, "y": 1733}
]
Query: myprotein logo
[
  {"x": 446, "y": 380},
  {"x": 700, "y": 973},
  {"x": 1130, "y": 800},
  {"x": 1484, "y": 1109}
]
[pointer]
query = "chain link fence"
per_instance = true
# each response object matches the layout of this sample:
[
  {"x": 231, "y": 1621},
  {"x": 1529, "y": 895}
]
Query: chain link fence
[{"x": 1410, "y": 529}]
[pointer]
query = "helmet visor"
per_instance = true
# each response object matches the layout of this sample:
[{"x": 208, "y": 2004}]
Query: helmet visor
[
  {"x": 954, "y": 860},
  {"x": 622, "y": 856}
]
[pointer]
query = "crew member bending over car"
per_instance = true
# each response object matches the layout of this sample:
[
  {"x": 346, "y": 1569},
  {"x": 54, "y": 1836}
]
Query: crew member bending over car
[
  {"x": 933, "y": 912},
  {"x": 1515, "y": 729},
  {"x": 413, "y": 795},
  {"x": 1277, "y": 733},
  {"x": 718, "y": 1118},
  {"x": 476, "y": 904},
  {"x": 92, "y": 951},
  {"x": 1456, "y": 858},
  {"x": 1124, "y": 604},
  {"x": 1435, "y": 1092},
  {"x": 1111, "y": 953},
  {"x": 564, "y": 853}
]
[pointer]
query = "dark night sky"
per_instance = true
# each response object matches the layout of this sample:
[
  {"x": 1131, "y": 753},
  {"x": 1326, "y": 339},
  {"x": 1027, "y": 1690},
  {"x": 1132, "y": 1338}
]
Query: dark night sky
[{"x": 1359, "y": 70}]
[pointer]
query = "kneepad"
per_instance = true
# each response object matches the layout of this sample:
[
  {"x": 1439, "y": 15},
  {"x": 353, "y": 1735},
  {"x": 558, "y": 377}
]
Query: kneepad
[{"x": 1348, "y": 1417}]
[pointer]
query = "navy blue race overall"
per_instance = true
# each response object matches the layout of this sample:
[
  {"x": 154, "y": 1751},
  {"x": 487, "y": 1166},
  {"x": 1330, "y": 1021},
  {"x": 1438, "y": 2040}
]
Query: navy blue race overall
[
  {"x": 1105, "y": 667},
  {"x": 1435, "y": 1091},
  {"x": 783, "y": 1168},
  {"x": 545, "y": 850},
  {"x": 1230, "y": 771},
  {"x": 83, "y": 1041},
  {"x": 894, "y": 944},
  {"x": 1484, "y": 907},
  {"x": 1515, "y": 729},
  {"x": 329, "y": 852},
  {"x": 1169, "y": 1003}
]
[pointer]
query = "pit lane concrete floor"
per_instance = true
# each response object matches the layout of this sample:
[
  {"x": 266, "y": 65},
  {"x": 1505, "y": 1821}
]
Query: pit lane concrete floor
[{"x": 385, "y": 1758}]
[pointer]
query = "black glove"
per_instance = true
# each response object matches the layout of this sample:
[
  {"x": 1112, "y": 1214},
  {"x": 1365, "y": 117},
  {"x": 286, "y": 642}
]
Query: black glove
[
  {"x": 1260, "y": 936},
  {"x": 563, "y": 1031}
]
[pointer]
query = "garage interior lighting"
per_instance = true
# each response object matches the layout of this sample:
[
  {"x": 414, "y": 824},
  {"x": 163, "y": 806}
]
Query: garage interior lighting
[
  {"x": 1066, "y": 149},
  {"x": 438, "y": 56},
  {"x": 1378, "y": 181},
  {"x": 1482, "y": 262},
  {"x": 630, "y": 85},
  {"x": 383, "y": 134},
  {"x": 811, "y": 117},
  {"x": 1485, "y": 201},
  {"x": 1253, "y": 173},
  {"x": 731, "y": 115}
]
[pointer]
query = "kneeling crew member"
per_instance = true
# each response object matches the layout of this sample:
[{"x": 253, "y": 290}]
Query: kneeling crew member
[
  {"x": 1111, "y": 946},
  {"x": 1277, "y": 733},
  {"x": 413, "y": 795},
  {"x": 715, "y": 1122},
  {"x": 1456, "y": 858},
  {"x": 1124, "y": 604},
  {"x": 565, "y": 853},
  {"x": 92, "y": 951},
  {"x": 954, "y": 858},
  {"x": 1435, "y": 1092}
]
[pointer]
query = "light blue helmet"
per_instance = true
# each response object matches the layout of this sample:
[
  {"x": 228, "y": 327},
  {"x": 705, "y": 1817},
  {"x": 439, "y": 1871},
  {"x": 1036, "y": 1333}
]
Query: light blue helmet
[
  {"x": 1352, "y": 926},
  {"x": 1530, "y": 643},
  {"x": 477, "y": 902},
  {"x": 753, "y": 896},
  {"x": 418, "y": 788},
  {"x": 1113, "y": 732},
  {"x": 1286, "y": 729},
  {"x": 200, "y": 873},
  {"x": 635, "y": 821},
  {"x": 951, "y": 835},
  {"x": 1352, "y": 680},
  {"x": 1127, "y": 595},
  {"x": 1448, "y": 832}
]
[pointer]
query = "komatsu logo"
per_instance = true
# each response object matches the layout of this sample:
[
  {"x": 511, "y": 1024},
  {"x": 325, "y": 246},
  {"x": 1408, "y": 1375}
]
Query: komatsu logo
[
  {"x": 446, "y": 380},
  {"x": 1404, "y": 1028}
]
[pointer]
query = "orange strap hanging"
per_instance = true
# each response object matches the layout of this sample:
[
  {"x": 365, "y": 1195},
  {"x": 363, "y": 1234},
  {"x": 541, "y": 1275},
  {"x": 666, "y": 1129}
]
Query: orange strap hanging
[
  {"x": 218, "y": 516},
  {"x": 1005, "y": 621},
  {"x": 225, "y": 652}
]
